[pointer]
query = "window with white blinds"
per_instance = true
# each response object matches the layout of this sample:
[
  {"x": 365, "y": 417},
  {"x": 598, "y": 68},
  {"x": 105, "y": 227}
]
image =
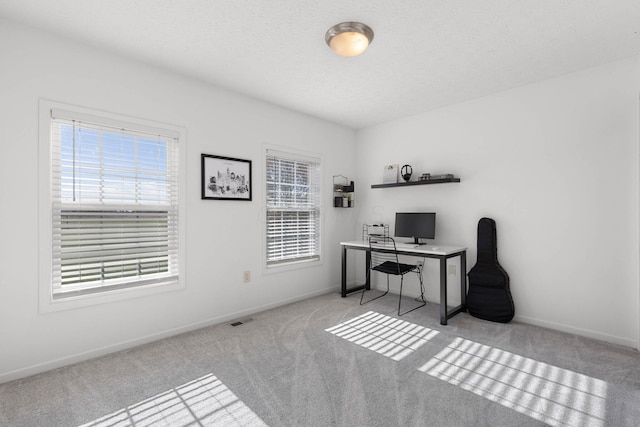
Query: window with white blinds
[
  {"x": 114, "y": 205},
  {"x": 293, "y": 208}
]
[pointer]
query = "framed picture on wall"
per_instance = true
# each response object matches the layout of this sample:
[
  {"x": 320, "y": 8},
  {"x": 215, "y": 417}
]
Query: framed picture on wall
[
  {"x": 225, "y": 178},
  {"x": 390, "y": 175}
]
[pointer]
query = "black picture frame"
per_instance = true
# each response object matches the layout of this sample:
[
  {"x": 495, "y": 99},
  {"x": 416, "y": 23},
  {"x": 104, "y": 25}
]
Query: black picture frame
[{"x": 225, "y": 178}]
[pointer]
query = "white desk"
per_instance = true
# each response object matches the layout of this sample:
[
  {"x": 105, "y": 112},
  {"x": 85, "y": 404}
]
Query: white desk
[{"x": 440, "y": 252}]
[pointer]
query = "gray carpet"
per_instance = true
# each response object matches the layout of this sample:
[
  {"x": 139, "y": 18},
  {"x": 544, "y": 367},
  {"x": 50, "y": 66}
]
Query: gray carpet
[{"x": 328, "y": 361}]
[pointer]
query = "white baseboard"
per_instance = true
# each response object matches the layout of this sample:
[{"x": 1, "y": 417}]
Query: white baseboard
[
  {"x": 79, "y": 357},
  {"x": 627, "y": 342}
]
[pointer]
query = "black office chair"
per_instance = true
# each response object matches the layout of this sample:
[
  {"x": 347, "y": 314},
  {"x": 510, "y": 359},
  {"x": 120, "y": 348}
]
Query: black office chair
[{"x": 384, "y": 259}]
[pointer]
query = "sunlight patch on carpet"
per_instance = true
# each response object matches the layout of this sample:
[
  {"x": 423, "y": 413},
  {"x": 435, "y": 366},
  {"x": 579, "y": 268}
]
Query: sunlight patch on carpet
[
  {"x": 202, "y": 402},
  {"x": 385, "y": 335},
  {"x": 555, "y": 396}
]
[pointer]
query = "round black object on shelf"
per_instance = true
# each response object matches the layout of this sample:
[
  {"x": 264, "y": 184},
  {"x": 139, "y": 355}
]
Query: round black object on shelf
[{"x": 406, "y": 172}]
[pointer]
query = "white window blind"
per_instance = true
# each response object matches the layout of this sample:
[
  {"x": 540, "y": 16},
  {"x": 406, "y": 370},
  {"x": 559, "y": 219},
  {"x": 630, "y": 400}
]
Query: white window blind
[
  {"x": 293, "y": 208},
  {"x": 114, "y": 193}
]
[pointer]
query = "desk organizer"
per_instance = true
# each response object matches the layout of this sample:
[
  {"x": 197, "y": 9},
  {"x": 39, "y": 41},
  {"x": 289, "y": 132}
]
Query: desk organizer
[{"x": 374, "y": 230}]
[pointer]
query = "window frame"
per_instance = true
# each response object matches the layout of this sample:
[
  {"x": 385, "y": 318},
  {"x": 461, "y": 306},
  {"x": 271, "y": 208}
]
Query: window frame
[
  {"x": 298, "y": 155},
  {"x": 47, "y": 302}
]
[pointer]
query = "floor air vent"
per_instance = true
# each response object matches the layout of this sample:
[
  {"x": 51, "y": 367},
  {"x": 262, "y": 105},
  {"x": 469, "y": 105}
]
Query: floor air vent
[{"x": 241, "y": 322}]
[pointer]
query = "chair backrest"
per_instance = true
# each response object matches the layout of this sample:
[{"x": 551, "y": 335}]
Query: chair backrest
[{"x": 383, "y": 249}]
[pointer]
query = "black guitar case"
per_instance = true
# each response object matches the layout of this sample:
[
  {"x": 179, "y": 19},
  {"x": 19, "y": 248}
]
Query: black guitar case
[{"x": 489, "y": 297}]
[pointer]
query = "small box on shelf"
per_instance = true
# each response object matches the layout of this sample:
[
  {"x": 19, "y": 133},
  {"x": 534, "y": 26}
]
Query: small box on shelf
[{"x": 349, "y": 188}]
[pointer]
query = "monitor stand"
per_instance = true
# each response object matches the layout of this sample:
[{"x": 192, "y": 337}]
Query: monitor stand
[{"x": 417, "y": 242}]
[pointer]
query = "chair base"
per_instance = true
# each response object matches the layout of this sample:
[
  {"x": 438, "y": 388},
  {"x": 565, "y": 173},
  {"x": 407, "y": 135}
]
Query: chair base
[
  {"x": 400, "y": 313},
  {"x": 372, "y": 299},
  {"x": 420, "y": 298}
]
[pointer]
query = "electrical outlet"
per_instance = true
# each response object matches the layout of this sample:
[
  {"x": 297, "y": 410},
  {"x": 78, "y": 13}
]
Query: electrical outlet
[
  {"x": 246, "y": 276},
  {"x": 452, "y": 270}
]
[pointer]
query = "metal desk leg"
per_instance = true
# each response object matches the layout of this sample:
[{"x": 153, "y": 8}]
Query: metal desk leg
[
  {"x": 463, "y": 281},
  {"x": 344, "y": 272},
  {"x": 367, "y": 263},
  {"x": 443, "y": 290}
]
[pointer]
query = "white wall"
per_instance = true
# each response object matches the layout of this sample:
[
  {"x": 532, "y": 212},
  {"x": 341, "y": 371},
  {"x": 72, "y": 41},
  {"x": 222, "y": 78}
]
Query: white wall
[
  {"x": 223, "y": 238},
  {"x": 556, "y": 165}
]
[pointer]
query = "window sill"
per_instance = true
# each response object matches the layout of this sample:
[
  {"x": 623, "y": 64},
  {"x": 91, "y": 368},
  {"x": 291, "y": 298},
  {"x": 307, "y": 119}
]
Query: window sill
[
  {"x": 293, "y": 265},
  {"x": 48, "y": 304}
]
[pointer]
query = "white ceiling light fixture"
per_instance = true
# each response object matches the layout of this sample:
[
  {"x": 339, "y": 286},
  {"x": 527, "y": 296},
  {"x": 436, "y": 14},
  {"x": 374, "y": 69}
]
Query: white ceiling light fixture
[{"x": 349, "y": 38}]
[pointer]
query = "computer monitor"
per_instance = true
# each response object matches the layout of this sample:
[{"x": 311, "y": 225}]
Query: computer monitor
[{"x": 417, "y": 225}]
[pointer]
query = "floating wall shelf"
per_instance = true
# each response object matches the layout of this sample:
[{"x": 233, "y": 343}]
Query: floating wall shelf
[
  {"x": 343, "y": 192},
  {"x": 425, "y": 182}
]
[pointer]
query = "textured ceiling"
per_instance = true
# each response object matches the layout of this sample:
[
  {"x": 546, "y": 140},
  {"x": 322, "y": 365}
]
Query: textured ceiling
[{"x": 426, "y": 53}]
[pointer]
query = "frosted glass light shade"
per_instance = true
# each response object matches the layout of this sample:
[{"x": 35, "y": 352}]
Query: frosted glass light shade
[
  {"x": 349, "y": 43},
  {"x": 349, "y": 38}
]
